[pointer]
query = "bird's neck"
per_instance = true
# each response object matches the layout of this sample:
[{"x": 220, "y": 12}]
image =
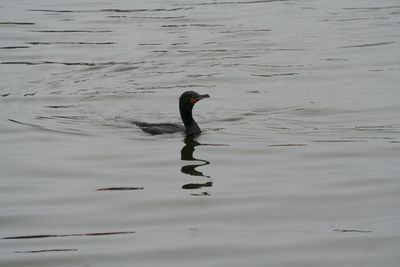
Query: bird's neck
[{"x": 190, "y": 124}]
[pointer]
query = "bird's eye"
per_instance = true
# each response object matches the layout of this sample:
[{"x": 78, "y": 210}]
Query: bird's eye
[{"x": 192, "y": 100}]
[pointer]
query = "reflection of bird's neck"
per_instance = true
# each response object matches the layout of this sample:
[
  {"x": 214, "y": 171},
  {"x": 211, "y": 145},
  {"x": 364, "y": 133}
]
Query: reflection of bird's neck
[
  {"x": 188, "y": 149},
  {"x": 187, "y": 154},
  {"x": 187, "y": 118}
]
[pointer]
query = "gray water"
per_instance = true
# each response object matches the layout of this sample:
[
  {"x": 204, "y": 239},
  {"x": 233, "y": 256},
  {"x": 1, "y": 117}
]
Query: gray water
[{"x": 298, "y": 163}]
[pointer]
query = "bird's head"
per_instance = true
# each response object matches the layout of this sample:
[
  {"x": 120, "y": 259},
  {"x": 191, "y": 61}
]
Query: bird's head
[{"x": 189, "y": 98}]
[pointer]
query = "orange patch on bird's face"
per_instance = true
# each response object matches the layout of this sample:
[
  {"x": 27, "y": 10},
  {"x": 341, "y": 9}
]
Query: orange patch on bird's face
[{"x": 193, "y": 100}]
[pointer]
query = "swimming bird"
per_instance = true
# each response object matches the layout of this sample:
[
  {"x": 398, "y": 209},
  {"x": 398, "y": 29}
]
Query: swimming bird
[{"x": 189, "y": 127}]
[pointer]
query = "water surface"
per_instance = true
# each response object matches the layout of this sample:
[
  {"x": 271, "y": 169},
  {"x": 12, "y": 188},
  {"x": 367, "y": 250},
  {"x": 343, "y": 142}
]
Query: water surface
[{"x": 298, "y": 163}]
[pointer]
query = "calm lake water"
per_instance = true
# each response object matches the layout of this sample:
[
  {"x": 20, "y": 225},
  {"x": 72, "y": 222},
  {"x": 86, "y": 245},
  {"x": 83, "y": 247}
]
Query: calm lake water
[{"x": 298, "y": 163}]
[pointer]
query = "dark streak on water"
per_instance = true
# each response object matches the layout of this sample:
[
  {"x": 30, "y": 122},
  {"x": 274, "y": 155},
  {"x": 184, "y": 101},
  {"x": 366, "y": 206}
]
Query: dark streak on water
[
  {"x": 190, "y": 25},
  {"x": 370, "y": 8},
  {"x": 30, "y": 94},
  {"x": 71, "y": 43},
  {"x": 287, "y": 145},
  {"x": 203, "y": 75},
  {"x": 351, "y": 231},
  {"x": 144, "y": 10},
  {"x": 119, "y": 188},
  {"x": 67, "y": 235},
  {"x": 60, "y": 106},
  {"x": 335, "y": 59},
  {"x": 67, "y": 63},
  {"x": 154, "y": 17},
  {"x": 276, "y": 74},
  {"x": 14, "y": 47},
  {"x": 234, "y": 2},
  {"x": 60, "y": 11},
  {"x": 239, "y": 31},
  {"x": 174, "y": 86},
  {"x": 42, "y": 128},
  {"x": 275, "y": 66},
  {"x": 116, "y": 16},
  {"x": 367, "y": 45},
  {"x": 352, "y": 19},
  {"x": 17, "y": 23},
  {"x": 49, "y": 250},
  {"x": 208, "y": 50},
  {"x": 72, "y": 31}
]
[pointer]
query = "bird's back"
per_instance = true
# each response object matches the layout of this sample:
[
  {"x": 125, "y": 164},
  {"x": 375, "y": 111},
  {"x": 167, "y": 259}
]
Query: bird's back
[{"x": 159, "y": 128}]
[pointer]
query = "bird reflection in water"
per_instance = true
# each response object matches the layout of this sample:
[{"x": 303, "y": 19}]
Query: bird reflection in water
[{"x": 187, "y": 155}]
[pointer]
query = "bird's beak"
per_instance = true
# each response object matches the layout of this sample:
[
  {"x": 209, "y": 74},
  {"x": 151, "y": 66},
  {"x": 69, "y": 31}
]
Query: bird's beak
[
  {"x": 203, "y": 96},
  {"x": 200, "y": 97}
]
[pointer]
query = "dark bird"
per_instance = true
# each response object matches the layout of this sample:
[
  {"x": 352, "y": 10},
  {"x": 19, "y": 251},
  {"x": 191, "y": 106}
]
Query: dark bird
[{"x": 190, "y": 127}]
